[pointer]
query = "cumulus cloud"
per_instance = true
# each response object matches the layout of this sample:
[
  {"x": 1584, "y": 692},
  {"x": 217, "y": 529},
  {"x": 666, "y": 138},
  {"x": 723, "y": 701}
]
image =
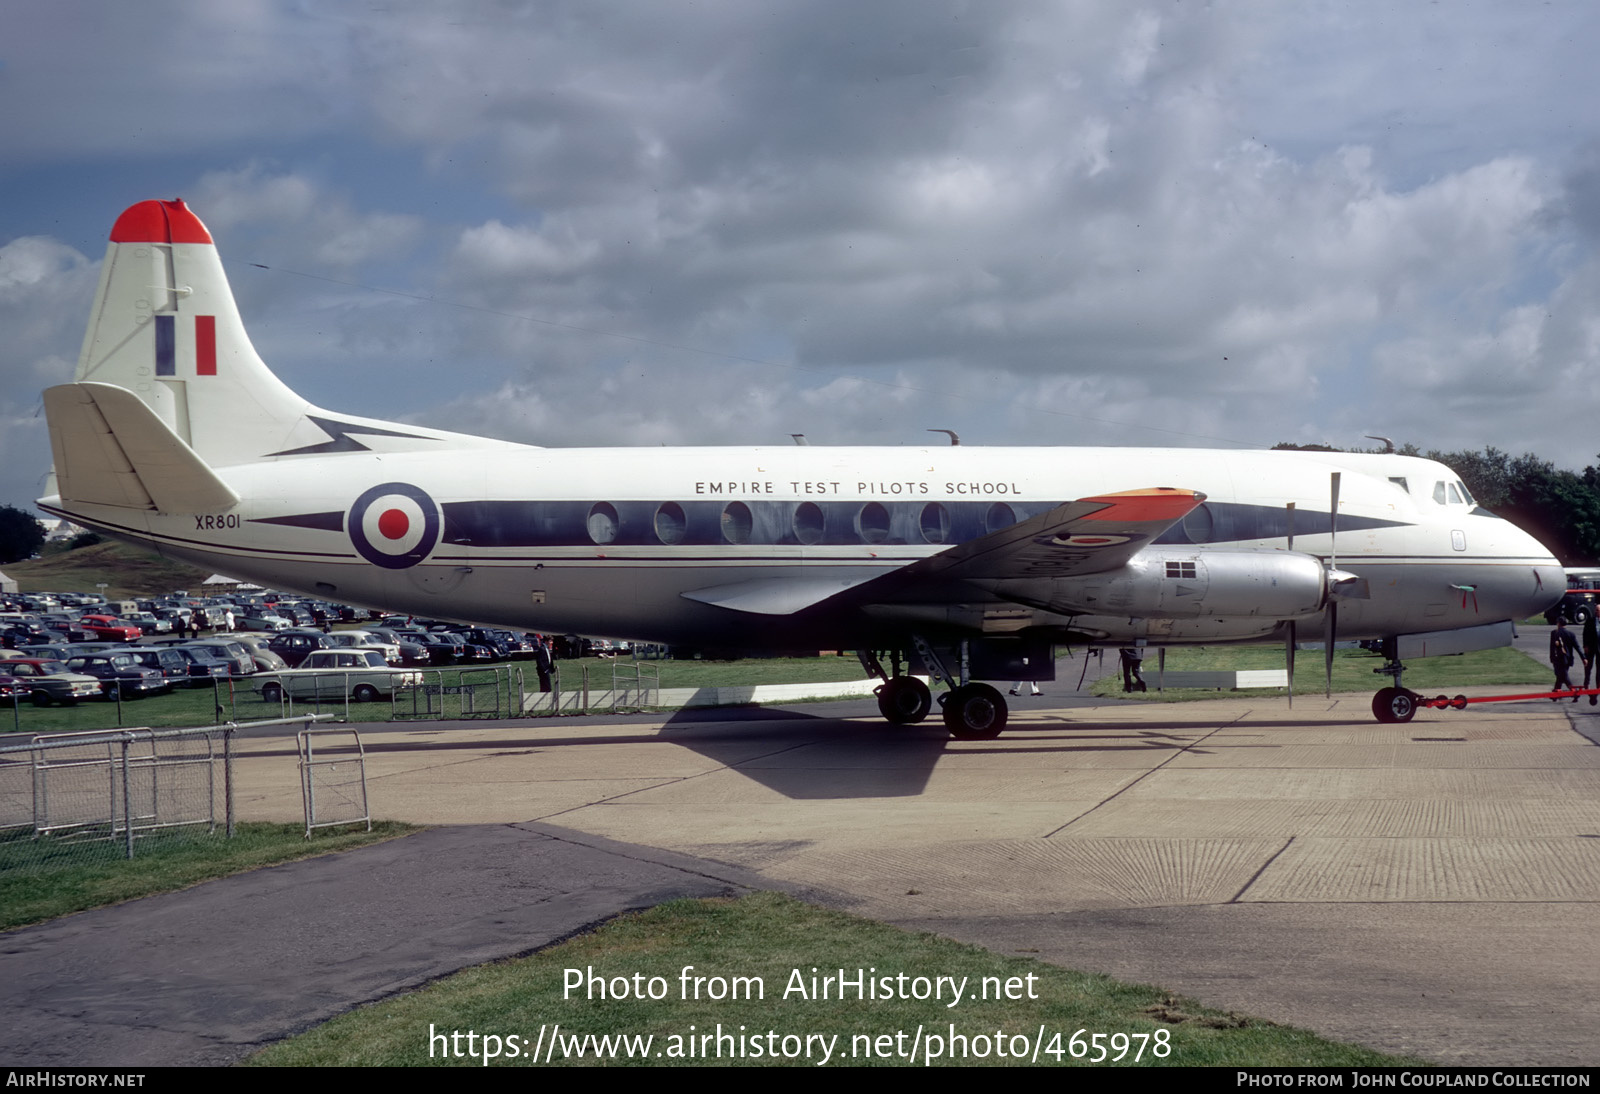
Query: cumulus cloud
[{"x": 1086, "y": 222}]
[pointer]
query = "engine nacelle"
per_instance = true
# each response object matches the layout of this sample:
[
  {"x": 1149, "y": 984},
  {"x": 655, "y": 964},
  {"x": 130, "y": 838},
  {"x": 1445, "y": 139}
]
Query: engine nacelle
[{"x": 1177, "y": 582}]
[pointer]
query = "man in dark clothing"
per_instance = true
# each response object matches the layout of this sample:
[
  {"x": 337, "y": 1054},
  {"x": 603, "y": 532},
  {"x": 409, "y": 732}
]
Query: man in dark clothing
[
  {"x": 1132, "y": 658},
  {"x": 1591, "y": 653},
  {"x": 1563, "y": 652},
  {"x": 542, "y": 662}
]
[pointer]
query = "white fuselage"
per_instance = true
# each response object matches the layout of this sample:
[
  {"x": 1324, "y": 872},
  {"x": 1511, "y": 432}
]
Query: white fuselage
[{"x": 608, "y": 541}]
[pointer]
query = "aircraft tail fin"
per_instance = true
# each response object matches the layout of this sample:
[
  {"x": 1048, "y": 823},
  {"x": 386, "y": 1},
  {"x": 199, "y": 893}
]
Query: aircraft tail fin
[
  {"x": 165, "y": 327},
  {"x": 111, "y": 448}
]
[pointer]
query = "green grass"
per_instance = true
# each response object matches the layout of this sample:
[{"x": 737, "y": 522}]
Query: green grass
[
  {"x": 772, "y": 937},
  {"x": 126, "y": 570},
  {"x": 1352, "y": 671},
  {"x": 40, "y": 880}
]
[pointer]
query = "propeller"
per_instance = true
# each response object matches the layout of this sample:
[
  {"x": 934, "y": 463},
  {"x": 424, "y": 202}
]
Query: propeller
[{"x": 1341, "y": 586}]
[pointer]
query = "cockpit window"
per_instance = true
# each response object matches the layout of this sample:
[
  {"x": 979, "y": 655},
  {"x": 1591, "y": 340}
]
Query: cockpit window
[
  {"x": 1438, "y": 492},
  {"x": 1467, "y": 494},
  {"x": 1400, "y": 481},
  {"x": 1455, "y": 495}
]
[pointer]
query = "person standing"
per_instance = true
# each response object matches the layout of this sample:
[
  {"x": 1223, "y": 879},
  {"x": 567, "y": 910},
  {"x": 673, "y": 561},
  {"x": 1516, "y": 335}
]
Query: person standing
[
  {"x": 1132, "y": 659},
  {"x": 1563, "y": 652},
  {"x": 542, "y": 663},
  {"x": 1590, "y": 648}
]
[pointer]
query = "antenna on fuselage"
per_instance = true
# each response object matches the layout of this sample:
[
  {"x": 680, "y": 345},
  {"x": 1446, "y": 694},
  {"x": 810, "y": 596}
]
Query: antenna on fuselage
[
  {"x": 953, "y": 438},
  {"x": 799, "y": 438}
]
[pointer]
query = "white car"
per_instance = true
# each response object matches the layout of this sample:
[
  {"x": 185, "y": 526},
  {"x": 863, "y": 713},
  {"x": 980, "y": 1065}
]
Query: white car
[
  {"x": 362, "y": 675},
  {"x": 366, "y": 640}
]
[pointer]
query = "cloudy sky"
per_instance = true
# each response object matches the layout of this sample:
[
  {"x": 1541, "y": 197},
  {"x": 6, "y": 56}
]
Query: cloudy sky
[{"x": 726, "y": 221}]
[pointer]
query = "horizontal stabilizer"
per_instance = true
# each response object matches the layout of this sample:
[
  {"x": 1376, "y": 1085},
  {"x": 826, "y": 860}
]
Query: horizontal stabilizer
[
  {"x": 776, "y": 596},
  {"x": 110, "y": 448}
]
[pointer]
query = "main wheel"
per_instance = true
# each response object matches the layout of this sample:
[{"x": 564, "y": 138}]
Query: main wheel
[
  {"x": 975, "y": 712},
  {"x": 904, "y": 701},
  {"x": 1394, "y": 705}
]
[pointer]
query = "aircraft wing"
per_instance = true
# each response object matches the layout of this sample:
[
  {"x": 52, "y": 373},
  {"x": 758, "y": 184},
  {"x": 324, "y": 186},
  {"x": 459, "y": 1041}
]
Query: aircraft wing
[{"x": 1088, "y": 536}]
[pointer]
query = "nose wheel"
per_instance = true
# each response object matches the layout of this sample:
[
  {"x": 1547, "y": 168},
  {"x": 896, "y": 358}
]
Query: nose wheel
[{"x": 1394, "y": 705}]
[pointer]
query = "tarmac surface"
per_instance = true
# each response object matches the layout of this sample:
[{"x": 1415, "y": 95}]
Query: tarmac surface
[{"x": 1427, "y": 888}]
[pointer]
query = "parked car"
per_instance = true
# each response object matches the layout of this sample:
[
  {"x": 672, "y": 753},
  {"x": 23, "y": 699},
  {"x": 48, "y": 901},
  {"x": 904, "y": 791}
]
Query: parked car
[
  {"x": 13, "y": 690},
  {"x": 106, "y": 628},
  {"x": 295, "y": 646},
  {"x": 363, "y": 675},
  {"x": 53, "y": 682},
  {"x": 121, "y": 672}
]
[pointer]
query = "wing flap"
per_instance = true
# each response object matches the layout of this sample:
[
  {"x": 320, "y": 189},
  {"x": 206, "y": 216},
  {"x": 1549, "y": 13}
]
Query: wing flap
[{"x": 112, "y": 449}]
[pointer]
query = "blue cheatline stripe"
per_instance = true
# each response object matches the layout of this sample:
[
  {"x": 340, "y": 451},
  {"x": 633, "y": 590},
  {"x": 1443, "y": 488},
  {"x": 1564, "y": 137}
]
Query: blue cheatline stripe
[{"x": 166, "y": 346}]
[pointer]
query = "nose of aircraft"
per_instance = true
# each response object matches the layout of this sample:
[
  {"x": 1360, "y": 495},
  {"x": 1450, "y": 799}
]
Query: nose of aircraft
[{"x": 1549, "y": 581}]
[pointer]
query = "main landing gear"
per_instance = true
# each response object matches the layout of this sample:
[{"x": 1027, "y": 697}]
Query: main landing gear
[
  {"x": 971, "y": 711},
  {"x": 902, "y": 700}
]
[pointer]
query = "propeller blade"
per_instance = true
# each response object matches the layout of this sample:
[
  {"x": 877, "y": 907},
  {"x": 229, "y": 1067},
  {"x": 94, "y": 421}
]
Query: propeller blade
[
  {"x": 1333, "y": 523},
  {"x": 1330, "y": 628},
  {"x": 1288, "y": 653}
]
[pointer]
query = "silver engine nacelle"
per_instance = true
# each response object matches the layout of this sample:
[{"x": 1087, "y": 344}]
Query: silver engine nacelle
[{"x": 1186, "y": 582}]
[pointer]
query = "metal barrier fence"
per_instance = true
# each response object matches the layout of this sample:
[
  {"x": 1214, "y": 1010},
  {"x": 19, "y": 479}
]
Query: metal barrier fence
[
  {"x": 355, "y": 695},
  {"x": 333, "y": 783},
  {"x": 95, "y": 794},
  {"x": 460, "y": 693},
  {"x": 632, "y": 686}
]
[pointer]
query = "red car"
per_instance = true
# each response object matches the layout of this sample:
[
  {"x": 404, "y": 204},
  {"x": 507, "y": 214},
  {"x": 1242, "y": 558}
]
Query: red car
[{"x": 107, "y": 628}]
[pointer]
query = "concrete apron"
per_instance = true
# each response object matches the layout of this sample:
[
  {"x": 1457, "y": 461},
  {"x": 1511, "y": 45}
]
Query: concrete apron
[{"x": 1426, "y": 888}]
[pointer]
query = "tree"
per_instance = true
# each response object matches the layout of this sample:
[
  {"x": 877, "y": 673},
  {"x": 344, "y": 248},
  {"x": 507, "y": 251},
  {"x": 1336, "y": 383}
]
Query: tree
[{"x": 21, "y": 534}]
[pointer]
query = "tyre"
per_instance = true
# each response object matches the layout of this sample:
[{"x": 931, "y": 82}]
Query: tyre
[
  {"x": 975, "y": 712},
  {"x": 272, "y": 693},
  {"x": 1394, "y": 705},
  {"x": 904, "y": 701},
  {"x": 364, "y": 693},
  {"x": 40, "y": 699}
]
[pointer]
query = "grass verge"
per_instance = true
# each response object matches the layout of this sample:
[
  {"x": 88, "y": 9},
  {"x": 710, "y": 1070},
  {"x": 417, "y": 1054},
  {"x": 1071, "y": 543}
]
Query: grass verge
[
  {"x": 40, "y": 880},
  {"x": 781, "y": 942},
  {"x": 1352, "y": 671}
]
